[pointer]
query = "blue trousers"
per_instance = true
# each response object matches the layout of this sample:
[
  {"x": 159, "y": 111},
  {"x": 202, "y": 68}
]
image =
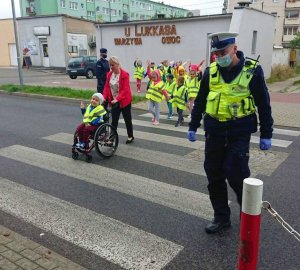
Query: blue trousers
[{"x": 226, "y": 158}]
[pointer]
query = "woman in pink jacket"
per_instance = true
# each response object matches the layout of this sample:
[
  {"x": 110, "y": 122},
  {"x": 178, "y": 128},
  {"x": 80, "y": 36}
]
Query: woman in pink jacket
[{"x": 118, "y": 94}]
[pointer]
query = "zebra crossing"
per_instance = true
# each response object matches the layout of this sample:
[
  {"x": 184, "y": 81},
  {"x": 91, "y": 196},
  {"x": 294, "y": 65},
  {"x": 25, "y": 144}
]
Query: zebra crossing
[{"x": 114, "y": 240}]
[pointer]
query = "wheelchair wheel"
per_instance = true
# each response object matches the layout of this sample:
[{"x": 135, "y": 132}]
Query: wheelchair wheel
[
  {"x": 75, "y": 155},
  {"x": 106, "y": 140}
]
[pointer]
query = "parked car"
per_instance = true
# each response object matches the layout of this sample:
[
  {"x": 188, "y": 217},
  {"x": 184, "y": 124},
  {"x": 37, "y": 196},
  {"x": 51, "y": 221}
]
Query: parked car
[{"x": 82, "y": 66}]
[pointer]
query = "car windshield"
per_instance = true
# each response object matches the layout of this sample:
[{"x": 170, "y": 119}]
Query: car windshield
[{"x": 76, "y": 60}]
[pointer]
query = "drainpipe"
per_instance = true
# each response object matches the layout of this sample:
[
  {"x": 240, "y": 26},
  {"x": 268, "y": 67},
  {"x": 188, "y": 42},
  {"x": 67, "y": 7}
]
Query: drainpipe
[{"x": 17, "y": 43}]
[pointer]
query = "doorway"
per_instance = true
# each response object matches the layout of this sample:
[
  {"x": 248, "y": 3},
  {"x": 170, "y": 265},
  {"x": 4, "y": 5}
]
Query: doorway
[
  {"x": 45, "y": 54},
  {"x": 13, "y": 54}
]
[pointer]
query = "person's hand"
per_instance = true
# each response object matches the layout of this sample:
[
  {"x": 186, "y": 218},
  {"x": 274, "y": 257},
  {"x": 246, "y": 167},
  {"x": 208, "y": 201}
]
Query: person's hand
[
  {"x": 191, "y": 135},
  {"x": 265, "y": 144},
  {"x": 81, "y": 104},
  {"x": 114, "y": 101},
  {"x": 148, "y": 62}
]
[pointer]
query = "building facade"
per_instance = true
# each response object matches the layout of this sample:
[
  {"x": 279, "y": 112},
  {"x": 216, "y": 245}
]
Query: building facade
[
  {"x": 52, "y": 40},
  {"x": 8, "y": 52},
  {"x": 158, "y": 40},
  {"x": 102, "y": 10},
  {"x": 287, "y": 17}
]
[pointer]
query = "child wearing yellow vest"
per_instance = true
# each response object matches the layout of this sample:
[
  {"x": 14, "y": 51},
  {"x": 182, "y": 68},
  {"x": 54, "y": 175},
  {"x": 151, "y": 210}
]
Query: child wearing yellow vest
[
  {"x": 170, "y": 87},
  {"x": 179, "y": 99},
  {"x": 193, "y": 85},
  {"x": 92, "y": 117},
  {"x": 139, "y": 74},
  {"x": 155, "y": 94}
]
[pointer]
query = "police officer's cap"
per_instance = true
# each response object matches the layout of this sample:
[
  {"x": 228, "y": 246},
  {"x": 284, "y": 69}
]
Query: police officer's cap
[
  {"x": 103, "y": 50},
  {"x": 221, "y": 40}
]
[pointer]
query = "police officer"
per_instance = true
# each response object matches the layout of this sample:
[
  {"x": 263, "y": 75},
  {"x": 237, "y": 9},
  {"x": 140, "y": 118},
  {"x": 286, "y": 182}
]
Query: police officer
[
  {"x": 231, "y": 91},
  {"x": 102, "y": 67}
]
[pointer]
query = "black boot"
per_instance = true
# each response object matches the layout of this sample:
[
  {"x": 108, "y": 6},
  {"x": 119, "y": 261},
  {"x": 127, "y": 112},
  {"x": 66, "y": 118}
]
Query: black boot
[{"x": 216, "y": 226}]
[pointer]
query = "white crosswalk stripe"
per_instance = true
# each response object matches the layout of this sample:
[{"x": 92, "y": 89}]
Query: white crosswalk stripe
[
  {"x": 134, "y": 185},
  {"x": 149, "y": 156},
  {"x": 278, "y": 131},
  {"x": 254, "y": 139},
  {"x": 113, "y": 240}
]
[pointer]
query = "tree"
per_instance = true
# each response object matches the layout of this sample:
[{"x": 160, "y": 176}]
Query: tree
[{"x": 295, "y": 43}]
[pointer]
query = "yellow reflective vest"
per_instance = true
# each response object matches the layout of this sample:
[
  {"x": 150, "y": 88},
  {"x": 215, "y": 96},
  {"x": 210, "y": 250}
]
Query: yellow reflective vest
[
  {"x": 139, "y": 72},
  {"x": 93, "y": 114},
  {"x": 193, "y": 88},
  {"x": 228, "y": 101},
  {"x": 179, "y": 97},
  {"x": 154, "y": 92},
  {"x": 170, "y": 87}
]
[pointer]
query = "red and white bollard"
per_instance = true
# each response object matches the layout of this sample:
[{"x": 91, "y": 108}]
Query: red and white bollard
[{"x": 250, "y": 224}]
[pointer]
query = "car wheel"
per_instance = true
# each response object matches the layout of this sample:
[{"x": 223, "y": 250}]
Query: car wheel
[
  {"x": 89, "y": 74},
  {"x": 73, "y": 76}
]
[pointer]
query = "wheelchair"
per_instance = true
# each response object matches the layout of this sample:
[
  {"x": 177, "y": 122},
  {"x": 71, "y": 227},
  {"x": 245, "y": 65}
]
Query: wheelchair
[{"x": 105, "y": 140}]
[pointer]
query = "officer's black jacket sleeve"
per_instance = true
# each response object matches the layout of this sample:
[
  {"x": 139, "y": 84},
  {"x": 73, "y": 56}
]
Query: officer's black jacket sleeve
[
  {"x": 200, "y": 102},
  {"x": 261, "y": 97}
]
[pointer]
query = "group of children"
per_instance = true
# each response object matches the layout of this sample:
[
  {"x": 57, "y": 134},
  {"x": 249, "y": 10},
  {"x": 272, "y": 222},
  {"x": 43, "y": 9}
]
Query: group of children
[
  {"x": 171, "y": 82},
  {"x": 166, "y": 82}
]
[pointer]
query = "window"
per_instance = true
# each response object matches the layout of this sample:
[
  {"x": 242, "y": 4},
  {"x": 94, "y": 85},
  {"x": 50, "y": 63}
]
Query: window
[
  {"x": 120, "y": 12},
  {"x": 72, "y": 49},
  {"x": 292, "y": 14},
  {"x": 63, "y": 3},
  {"x": 290, "y": 31},
  {"x": 73, "y": 5},
  {"x": 142, "y": 17},
  {"x": 132, "y": 14},
  {"x": 254, "y": 1},
  {"x": 113, "y": 12},
  {"x": 254, "y": 41},
  {"x": 125, "y": 6},
  {"x": 142, "y": 5},
  {"x": 91, "y": 14},
  {"x": 105, "y": 11},
  {"x": 132, "y": 3},
  {"x": 275, "y": 1},
  {"x": 91, "y": 1}
]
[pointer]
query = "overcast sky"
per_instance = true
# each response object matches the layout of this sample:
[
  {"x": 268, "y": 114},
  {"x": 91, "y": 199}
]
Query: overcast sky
[{"x": 206, "y": 6}]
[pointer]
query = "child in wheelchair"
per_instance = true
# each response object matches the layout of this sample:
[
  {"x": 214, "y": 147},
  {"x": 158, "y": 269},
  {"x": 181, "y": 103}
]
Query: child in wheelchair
[{"x": 92, "y": 117}]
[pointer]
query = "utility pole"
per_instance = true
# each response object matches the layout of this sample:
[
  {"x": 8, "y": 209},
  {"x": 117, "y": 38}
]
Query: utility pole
[
  {"x": 109, "y": 6},
  {"x": 17, "y": 43}
]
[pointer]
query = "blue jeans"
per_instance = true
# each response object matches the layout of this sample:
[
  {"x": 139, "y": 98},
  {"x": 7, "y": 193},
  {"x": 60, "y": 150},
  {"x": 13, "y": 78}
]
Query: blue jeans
[{"x": 170, "y": 109}]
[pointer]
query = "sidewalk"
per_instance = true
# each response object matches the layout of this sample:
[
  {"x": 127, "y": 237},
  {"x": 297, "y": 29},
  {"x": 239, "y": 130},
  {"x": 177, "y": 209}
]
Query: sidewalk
[{"x": 18, "y": 252}]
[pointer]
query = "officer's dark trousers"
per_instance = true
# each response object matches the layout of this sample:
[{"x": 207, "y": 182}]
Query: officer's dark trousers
[{"x": 225, "y": 158}]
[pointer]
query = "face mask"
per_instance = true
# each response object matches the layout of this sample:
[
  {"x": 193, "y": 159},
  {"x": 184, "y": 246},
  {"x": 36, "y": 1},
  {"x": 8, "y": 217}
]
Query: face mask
[
  {"x": 104, "y": 56},
  {"x": 224, "y": 61}
]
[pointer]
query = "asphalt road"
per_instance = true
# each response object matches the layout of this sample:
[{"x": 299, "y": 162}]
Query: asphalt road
[{"x": 121, "y": 212}]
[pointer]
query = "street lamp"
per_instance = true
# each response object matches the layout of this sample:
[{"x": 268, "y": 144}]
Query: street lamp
[{"x": 17, "y": 43}]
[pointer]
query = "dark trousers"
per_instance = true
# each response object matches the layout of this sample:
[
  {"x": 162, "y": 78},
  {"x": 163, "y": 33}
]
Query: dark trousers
[
  {"x": 225, "y": 158},
  {"x": 180, "y": 115},
  {"x": 126, "y": 112}
]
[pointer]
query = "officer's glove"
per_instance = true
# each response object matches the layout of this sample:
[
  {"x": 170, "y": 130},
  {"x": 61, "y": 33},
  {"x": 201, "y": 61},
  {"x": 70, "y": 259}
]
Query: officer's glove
[
  {"x": 265, "y": 144},
  {"x": 191, "y": 135}
]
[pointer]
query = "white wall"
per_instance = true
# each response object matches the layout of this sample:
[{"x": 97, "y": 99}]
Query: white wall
[
  {"x": 280, "y": 56},
  {"x": 245, "y": 21},
  {"x": 193, "y": 32},
  {"x": 193, "y": 40},
  {"x": 56, "y": 39}
]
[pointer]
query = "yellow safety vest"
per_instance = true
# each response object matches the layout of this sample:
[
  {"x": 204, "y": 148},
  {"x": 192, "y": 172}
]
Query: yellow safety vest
[
  {"x": 154, "y": 92},
  {"x": 178, "y": 100},
  {"x": 228, "y": 101},
  {"x": 170, "y": 87},
  {"x": 193, "y": 87},
  {"x": 138, "y": 72},
  {"x": 91, "y": 115}
]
